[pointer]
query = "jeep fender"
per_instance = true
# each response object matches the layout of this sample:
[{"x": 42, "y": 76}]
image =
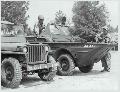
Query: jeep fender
[{"x": 60, "y": 51}]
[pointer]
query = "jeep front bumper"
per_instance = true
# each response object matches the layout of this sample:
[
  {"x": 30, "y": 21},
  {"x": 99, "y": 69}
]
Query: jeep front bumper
[{"x": 43, "y": 66}]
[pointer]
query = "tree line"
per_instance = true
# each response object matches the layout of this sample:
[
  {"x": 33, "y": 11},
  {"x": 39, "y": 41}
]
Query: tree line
[{"x": 89, "y": 17}]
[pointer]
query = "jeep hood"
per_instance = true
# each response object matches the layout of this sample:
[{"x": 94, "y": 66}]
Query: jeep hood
[{"x": 11, "y": 43}]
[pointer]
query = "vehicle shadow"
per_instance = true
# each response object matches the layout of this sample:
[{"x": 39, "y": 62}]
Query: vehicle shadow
[
  {"x": 29, "y": 81},
  {"x": 93, "y": 72},
  {"x": 33, "y": 81}
]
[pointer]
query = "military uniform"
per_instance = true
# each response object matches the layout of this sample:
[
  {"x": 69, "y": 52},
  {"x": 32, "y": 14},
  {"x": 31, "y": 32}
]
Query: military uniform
[
  {"x": 98, "y": 38},
  {"x": 106, "y": 63},
  {"x": 38, "y": 27}
]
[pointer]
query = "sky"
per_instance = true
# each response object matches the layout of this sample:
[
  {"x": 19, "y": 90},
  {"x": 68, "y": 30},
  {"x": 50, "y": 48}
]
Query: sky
[{"x": 48, "y": 8}]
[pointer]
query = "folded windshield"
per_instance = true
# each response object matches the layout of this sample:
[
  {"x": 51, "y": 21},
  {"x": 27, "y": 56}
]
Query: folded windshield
[{"x": 58, "y": 30}]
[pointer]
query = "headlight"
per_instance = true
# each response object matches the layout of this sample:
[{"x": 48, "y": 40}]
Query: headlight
[
  {"x": 46, "y": 48},
  {"x": 24, "y": 49}
]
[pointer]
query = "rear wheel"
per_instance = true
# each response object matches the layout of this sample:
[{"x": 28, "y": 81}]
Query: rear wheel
[
  {"x": 66, "y": 66},
  {"x": 11, "y": 73},
  {"x": 86, "y": 69}
]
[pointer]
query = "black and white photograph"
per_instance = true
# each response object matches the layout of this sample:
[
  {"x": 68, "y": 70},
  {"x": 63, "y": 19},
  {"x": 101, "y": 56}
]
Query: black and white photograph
[{"x": 60, "y": 45}]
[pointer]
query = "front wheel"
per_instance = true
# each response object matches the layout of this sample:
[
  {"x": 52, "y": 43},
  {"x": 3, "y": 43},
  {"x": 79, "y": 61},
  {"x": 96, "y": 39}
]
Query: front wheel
[
  {"x": 66, "y": 66},
  {"x": 86, "y": 69},
  {"x": 11, "y": 73},
  {"x": 50, "y": 74}
]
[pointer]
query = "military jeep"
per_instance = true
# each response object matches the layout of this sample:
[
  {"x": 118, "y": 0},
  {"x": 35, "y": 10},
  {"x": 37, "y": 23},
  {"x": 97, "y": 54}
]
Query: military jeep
[
  {"x": 71, "y": 51},
  {"x": 19, "y": 58}
]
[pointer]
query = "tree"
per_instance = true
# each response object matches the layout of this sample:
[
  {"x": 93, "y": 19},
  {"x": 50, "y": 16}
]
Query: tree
[
  {"x": 14, "y": 11},
  {"x": 112, "y": 29},
  {"x": 59, "y": 18},
  {"x": 89, "y": 18}
]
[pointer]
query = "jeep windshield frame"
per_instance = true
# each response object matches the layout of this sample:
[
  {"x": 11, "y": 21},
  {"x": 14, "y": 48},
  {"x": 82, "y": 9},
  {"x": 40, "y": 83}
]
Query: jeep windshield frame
[{"x": 59, "y": 30}]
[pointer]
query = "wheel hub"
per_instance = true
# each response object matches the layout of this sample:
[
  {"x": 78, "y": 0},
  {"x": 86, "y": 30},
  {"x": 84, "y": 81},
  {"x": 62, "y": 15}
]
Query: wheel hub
[
  {"x": 9, "y": 73},
  {"x": 64, "y": 65}
]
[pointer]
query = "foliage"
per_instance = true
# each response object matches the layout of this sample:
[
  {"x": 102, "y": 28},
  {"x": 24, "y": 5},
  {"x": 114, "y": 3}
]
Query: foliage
[
  {"x": 112, "y": 29},
  {"x": 14, "y": 11},
  {"x": 58, "y": 18},
  {"x": 89, "y": 18}
]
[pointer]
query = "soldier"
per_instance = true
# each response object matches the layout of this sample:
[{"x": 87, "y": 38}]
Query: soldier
[
  {"x": 63, "y": 21},
  {"x": 39, "y": 26},
  {"x": 98, "y": 38},
  {"x": 106, "y": 63}
]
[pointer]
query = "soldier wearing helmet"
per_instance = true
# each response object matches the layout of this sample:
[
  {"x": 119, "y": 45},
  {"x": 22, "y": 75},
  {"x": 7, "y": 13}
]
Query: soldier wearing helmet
[
  {"x": 38, "y": 27},
  {"x": 106, "y": 63},
  {"x": 63, "y": 20}
]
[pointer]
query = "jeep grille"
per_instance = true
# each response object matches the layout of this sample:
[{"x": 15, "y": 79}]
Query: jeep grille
[{"x": 36, "y": 54}]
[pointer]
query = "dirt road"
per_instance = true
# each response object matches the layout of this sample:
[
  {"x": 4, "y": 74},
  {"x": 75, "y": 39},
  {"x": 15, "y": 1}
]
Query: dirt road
[{"x": 94, "y": 80}]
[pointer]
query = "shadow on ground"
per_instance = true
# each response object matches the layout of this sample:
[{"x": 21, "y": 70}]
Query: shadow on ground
[
  {"x": 30, "y": 81},
  {"x": 34, "y": 80},
  {"x": 93, "y": 72}
]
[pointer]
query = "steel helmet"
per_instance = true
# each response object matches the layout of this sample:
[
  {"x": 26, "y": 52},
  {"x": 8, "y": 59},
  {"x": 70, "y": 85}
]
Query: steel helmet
[{"x": 41, "y": 17}]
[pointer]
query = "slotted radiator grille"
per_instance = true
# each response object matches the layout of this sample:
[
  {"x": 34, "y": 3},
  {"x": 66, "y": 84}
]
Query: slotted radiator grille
[{"x": 36, "y": 53}]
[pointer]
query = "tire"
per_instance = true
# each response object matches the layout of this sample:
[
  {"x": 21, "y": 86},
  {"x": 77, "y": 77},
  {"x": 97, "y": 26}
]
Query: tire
[
  {"x": 66, "y": 65},
  {"x": 48, "y": 76},
  {"x": 11, "y": 73},
  {"x": 86, "y": 69}
]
